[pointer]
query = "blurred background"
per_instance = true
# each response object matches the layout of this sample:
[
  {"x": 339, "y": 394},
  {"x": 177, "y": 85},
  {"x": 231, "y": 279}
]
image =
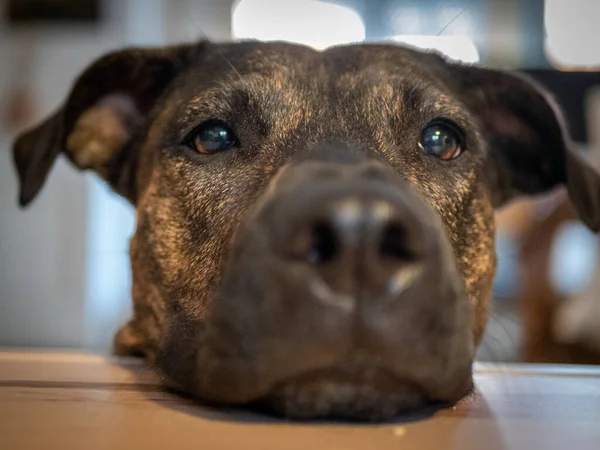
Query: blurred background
[{"x": 64, "y": 270}]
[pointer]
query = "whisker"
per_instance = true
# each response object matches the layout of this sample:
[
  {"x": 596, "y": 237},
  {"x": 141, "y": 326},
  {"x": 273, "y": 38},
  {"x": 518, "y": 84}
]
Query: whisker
[
  {"x": 503, "y": 326},
  {"x": 451, "y": 21},
  {"x": 230, "y": 64}
]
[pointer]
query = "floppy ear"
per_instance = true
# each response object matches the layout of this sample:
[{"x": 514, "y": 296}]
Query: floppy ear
[
  {"x": 530, "y": 149},
  {"x": 95, "y": 127}
]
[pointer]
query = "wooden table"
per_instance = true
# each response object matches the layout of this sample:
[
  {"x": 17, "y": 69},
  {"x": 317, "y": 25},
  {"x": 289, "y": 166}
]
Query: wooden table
[{"x": 76, "y": 401}]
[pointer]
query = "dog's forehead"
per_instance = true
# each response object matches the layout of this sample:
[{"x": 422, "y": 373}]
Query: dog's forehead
[{"x": 295, "y": 62}]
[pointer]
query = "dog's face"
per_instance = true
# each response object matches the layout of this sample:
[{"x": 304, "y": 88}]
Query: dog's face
[{"x": 314, "y": 229}]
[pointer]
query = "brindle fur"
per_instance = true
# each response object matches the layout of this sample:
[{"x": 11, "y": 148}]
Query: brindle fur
[{"x": 287, "y": 101}]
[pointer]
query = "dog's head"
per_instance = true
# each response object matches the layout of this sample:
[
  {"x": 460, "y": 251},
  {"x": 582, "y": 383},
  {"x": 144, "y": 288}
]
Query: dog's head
[{"x": 314, "y": 229}]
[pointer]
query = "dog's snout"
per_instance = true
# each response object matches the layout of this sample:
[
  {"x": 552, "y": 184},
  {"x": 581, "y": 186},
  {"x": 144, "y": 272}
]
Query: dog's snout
[{"x": 337, "y": 277}]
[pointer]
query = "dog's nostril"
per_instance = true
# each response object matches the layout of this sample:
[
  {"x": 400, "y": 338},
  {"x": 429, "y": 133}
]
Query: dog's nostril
[
  {"x": 394, "y": 244},
  {"x": 324, "y": 246}
]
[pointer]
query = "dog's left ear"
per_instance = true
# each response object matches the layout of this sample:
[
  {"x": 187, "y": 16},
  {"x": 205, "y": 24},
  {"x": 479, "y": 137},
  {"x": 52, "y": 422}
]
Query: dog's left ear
[
  {"x": 530, "y": 149},
  {"x": 96, "y": 126}
]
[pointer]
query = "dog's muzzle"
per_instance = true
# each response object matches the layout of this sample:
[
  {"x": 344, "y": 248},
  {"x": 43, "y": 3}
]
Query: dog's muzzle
[{"x": 341, "y": 297}]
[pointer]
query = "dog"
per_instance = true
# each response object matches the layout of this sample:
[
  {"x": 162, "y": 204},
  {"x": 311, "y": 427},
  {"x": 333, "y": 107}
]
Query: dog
[{"x": 315, "y": 230}]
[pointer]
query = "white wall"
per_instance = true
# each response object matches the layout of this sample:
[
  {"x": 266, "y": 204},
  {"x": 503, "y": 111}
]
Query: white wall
[
  {"x": 42, "y": 249},
  {"x": 64, "y": 275}
]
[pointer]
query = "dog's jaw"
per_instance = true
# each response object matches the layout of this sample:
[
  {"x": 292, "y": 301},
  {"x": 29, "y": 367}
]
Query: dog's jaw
[{"x": 353, "y": 392}]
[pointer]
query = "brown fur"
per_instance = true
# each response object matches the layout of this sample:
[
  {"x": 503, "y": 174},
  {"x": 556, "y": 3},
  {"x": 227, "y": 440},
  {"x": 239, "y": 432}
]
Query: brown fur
[{"x": 199, "y": 256}]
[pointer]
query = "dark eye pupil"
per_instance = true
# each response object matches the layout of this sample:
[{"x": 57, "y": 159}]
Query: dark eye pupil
[
  {"x": 213, "y": 137},
  {"x": 441, "y": 141}
]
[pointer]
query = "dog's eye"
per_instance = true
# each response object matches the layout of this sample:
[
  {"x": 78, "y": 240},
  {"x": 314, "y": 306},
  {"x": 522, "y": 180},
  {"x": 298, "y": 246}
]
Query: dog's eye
[
  {"x": 442, "y": 139},
  {"x": 212, "y": 137}
]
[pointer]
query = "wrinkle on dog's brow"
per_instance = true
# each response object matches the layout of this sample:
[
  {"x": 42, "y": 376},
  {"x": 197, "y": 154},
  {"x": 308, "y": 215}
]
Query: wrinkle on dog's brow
[
  {"x": 391, "y": 102},
  {"x": 276, "y": 102}
]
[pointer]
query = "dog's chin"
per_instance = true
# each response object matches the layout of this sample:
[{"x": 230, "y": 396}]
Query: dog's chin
[{"x": 333, "y": 394}]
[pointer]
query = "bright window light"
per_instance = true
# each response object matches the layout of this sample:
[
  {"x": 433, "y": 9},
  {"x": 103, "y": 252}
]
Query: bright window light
[
  {"x": 459, "y": 48},
  {"x": 407, "y": 20},
  {"x": 572, "y": 33},
  {"x": 310, "y": 22}
]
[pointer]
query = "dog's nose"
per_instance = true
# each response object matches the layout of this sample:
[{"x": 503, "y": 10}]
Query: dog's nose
[{"x": 360, "y": 244}]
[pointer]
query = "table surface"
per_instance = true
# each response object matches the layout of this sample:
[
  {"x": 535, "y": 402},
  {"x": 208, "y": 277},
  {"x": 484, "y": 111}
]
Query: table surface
[{"x": 58, "y": 400}]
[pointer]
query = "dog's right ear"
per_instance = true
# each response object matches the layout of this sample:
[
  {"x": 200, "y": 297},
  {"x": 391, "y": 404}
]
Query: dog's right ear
[
  {"x": 530, "y": 151},
  {"x": 95, "y": 127}
]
